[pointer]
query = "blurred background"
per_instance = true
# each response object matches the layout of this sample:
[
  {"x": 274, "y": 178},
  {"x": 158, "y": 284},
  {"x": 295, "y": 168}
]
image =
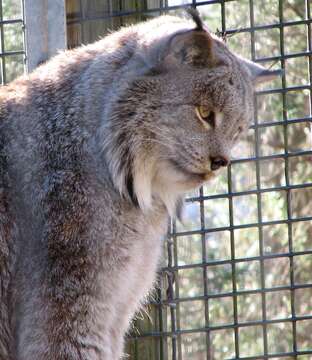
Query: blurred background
[{"x": 236, "y": 278}]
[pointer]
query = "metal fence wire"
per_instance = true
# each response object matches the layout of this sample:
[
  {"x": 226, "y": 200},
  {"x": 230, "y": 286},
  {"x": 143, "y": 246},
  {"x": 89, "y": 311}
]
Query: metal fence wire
[
  {"x": 236, "y": 281},
  {"x": 12, "y": 54}
]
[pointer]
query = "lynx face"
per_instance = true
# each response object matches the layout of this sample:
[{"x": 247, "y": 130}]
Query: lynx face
[
  {"x": 212, "y": 110},
  {"x": 192, "y": 101}
]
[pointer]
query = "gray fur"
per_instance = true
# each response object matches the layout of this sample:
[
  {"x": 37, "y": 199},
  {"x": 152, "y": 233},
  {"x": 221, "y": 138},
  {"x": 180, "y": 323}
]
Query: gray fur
[{"x": 97, "y": 147}]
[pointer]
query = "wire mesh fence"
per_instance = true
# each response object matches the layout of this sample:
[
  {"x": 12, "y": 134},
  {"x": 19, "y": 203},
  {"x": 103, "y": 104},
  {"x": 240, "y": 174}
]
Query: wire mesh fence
[
  {"x": 236, "y": 278},
  {"x": 12, "y": 53}
]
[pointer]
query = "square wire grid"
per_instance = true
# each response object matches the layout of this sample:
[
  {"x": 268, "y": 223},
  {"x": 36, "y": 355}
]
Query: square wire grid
[
  {"x": 237, "y": 283},
  {"x": 12, "y": 54}
]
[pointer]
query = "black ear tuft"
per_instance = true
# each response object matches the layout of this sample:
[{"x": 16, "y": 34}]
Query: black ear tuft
[{"x": 194, "y": 14}]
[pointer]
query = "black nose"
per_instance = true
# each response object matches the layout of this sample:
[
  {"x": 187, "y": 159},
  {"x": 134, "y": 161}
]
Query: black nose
[{"x": 217, "y": 162}]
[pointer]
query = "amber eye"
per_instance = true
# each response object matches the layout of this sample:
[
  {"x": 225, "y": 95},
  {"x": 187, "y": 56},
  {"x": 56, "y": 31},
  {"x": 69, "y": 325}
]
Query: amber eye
[{"x": 206, "y": 116}]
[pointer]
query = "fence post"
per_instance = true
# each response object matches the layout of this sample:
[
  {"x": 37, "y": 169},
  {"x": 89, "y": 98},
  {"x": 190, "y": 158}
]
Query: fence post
[{"x": 45, "y": 27}]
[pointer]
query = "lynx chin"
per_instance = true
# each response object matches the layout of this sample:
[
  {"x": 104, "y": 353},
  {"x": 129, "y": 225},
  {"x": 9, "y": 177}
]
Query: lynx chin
[{"x": 97, "y": 148}]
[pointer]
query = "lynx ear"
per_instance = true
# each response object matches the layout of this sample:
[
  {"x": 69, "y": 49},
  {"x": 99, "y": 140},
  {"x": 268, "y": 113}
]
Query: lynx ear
[
  {"x": 192, "y": 47},
  {"x": 260, "y": 74}
]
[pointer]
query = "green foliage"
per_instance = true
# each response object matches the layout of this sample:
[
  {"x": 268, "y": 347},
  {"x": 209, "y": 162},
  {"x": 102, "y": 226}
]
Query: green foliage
[{"x": 11, "y": 9}]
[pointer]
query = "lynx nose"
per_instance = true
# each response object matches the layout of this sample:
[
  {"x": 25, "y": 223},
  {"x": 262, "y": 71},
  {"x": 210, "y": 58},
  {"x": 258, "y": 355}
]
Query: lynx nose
[{"x": 217, "y": 162}]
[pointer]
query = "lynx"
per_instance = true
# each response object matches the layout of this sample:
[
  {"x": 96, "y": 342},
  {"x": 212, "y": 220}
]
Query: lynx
[{"x": 97, "y": 148}]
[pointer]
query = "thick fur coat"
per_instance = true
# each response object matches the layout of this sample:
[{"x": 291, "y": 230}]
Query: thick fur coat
[{"x": 97, "y": 147}]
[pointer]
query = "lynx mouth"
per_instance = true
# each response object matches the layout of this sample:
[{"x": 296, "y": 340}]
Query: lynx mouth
[{"x": 201, "y": 176}]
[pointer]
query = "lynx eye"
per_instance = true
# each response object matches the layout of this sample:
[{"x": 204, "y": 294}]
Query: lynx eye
[{"x": 206, "y": 116}]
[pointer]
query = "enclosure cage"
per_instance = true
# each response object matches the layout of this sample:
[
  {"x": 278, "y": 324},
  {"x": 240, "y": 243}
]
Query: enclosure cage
[{"x": 236, "y": 276}]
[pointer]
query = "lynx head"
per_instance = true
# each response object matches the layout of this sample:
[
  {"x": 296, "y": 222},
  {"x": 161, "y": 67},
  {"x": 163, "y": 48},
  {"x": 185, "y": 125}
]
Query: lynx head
[{"x": 188, "y": 100}]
